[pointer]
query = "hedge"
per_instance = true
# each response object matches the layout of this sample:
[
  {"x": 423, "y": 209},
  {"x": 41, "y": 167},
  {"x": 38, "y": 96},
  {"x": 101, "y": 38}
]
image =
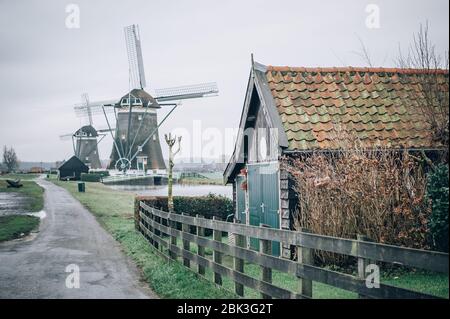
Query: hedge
[
  {"x": 437, "y": 192},
  {"x": 207, "y": 206},
  {"x": 91, "y": 177},
  {"x": 102, "y": 173}
]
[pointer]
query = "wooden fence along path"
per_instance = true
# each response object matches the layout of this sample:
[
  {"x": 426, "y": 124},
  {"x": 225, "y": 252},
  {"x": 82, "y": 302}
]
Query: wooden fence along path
[{"x": 163, "y": 230}]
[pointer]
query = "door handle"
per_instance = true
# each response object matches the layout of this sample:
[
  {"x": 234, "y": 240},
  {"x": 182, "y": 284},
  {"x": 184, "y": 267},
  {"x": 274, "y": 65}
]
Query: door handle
[{"x": 262, "y": 207}]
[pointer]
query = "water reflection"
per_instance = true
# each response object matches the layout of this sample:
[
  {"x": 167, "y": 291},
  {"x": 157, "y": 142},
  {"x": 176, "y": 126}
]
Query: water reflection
[{"x": 178, "y": 190}]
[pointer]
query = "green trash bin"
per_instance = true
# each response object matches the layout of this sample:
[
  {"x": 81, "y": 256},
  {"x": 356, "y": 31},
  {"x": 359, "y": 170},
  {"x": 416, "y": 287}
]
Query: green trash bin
[{"x": 81, "y": 187}]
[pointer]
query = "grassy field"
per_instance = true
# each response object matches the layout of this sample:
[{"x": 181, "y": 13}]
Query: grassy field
[
  {"x": 23, "y": 177},
  {"x": 114, "y": 210},
  {"x": 17, "y": 226},
  {"x": 431, "y": 283}
]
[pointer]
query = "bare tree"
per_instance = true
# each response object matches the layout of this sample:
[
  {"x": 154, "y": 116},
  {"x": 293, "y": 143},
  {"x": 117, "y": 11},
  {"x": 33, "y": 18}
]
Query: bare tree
[
  {"x": 435, "y": 100},
  {"x": 10, "y": 159},
  {"x": 171, "y": 142},
  {"x": 364, "y": 53}
]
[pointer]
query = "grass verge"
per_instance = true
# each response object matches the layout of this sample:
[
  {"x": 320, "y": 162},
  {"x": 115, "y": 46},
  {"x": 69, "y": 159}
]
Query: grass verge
[
  {"x": 114, "y": 210},
  {"x": 17, "y": 226}
]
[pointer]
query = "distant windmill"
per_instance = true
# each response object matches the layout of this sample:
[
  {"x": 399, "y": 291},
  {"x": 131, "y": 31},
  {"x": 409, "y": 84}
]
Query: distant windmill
[
  {"x": 136, "y": 139},
  {"x": 85, "y": 140}
]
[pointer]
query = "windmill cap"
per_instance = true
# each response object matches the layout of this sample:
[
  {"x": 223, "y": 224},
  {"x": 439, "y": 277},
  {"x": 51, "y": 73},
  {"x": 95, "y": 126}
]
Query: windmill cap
[
  {"x": 147, "y": 99},
  {"x": 87, "y": 130}
]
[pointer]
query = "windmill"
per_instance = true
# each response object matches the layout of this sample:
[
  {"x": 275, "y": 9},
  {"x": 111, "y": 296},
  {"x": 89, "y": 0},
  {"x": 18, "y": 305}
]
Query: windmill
[
  {"x": 86, "y": 139},
  {"x": 136, "y": 140}
]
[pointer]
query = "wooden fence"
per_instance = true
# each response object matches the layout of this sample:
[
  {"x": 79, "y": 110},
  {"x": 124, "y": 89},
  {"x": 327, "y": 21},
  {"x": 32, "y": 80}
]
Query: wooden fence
[{"x": 163, "y": 229}]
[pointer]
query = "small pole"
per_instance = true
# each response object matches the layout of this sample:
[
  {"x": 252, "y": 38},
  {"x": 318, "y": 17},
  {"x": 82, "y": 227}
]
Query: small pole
[
  {"x": 171, "y": 142},
  {"x": 217, "y": 256},
  {"x": 265, "y": 247}
]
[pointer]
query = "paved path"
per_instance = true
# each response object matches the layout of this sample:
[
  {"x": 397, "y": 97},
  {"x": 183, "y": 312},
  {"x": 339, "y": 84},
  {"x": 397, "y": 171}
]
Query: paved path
[{"x": 68, "y": 235}]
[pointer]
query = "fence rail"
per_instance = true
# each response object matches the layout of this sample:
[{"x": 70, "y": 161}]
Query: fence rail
[{"x": 160, "y": 228}]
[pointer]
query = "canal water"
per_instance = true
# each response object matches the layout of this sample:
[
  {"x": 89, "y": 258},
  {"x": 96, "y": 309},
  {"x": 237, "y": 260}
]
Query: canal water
[{"x": 178, "y": 190}]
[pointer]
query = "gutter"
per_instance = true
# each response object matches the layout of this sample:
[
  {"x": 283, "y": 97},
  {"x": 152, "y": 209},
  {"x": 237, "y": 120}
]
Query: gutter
[{"x": 289, "y": 152}]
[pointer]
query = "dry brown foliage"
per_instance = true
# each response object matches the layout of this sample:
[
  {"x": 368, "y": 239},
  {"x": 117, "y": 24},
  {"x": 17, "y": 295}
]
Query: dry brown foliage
[{"x": 377, "y": 193}]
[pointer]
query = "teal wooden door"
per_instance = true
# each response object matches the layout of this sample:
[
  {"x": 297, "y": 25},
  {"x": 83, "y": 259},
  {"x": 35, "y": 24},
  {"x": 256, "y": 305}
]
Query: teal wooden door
[
  {"x": 270, "y": 190},
  {"x": 264, "y": 199},
  {"x": 255, "y": 200},
  {"x": 240, "y": 200}
]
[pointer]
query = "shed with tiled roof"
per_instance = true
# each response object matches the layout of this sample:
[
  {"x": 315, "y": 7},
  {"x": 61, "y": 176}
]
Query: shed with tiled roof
[
  {"x": 381, "y": 107},
  {"x": 294, "y": 109}
]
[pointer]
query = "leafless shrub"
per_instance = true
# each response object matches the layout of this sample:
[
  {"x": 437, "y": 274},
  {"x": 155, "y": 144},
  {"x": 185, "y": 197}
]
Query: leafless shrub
[{"x": 377, "y": 193}]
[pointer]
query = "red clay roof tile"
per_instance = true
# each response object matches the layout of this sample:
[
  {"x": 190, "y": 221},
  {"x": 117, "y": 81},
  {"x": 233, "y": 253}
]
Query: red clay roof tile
[{"x": 380, "y": 105}]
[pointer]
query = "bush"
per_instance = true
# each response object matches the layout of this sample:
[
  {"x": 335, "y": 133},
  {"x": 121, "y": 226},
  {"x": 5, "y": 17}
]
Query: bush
[
  {"x": 377, "y": 193},
  {"x": 102, "y": 173},
  {"x": 437, "y": 192},
  {"x": 206, "y": 206},
  {"x": 91, "y": 177}
]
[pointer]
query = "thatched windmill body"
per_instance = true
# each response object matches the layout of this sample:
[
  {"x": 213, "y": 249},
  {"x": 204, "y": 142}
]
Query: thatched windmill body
[
  {"x": 86, "y": 139},
  {"x": 134, "y": 124},
  {"x": 86, "y": 146}
]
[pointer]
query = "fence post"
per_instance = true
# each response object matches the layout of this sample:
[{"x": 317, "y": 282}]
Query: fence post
[
  {"x": 153, "y": 230},
  {"x": 239, "y": 264},
  {"x": 186, "y": 244},
  {"x": 217, "y": 256},
  {"x": 156, "y": 231},
  {"x": 362, "y": 264},
  {"x": 144, "y": 222},
  {"x": 201, "y": 249},
  {"x": 137, "y": 209},
  {"x": 173, "y": 238},
  {"x": 265, "y": 247},
  {"x": 305, "y": 257}
]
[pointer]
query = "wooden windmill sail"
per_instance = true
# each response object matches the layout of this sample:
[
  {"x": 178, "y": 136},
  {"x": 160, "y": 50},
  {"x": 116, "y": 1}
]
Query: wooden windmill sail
[{"x": 136, "y": 139}]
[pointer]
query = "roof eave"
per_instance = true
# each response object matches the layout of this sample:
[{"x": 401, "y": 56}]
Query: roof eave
[
  {"x": 268, "y": 101},
  {"x": 411, "y": 149},
  {"x": 232, "y": 161},
  {"x": 257, "y": 79}
]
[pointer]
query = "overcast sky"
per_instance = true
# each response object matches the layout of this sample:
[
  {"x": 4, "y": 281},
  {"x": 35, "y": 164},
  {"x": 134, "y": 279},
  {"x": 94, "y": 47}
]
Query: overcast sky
[{"x": 45, "y": 66}]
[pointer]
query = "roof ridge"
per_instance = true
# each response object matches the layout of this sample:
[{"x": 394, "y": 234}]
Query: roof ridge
[{"x": 355, "y": 69}]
